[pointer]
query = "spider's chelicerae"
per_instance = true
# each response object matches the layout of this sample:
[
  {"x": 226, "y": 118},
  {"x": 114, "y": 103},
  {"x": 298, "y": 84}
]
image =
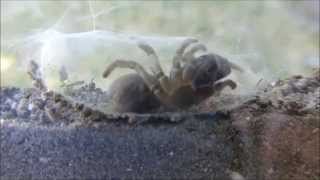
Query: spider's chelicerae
[{"x": 191, "y": 80}]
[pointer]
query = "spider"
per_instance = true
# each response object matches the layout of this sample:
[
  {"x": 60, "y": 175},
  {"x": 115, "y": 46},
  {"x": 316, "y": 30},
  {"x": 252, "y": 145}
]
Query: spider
[{"x": 191, "y": 80}]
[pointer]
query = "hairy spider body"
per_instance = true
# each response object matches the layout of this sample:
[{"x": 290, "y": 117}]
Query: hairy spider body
[
  {"x": 130, "y": 94},
  {"x": 192, "y": 80}
]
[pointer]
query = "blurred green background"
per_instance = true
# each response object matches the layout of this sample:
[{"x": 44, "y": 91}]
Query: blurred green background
[{"x": 272, "y": 39}]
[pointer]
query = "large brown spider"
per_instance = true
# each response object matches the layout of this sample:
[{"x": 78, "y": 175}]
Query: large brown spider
[{"x": 192, "y": 80}]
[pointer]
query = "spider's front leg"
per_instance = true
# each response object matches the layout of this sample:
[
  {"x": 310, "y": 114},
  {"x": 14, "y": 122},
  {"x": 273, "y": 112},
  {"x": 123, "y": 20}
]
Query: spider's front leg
[
  {"x": 189, "y": 55},
  {"x": 176, "y": 74},
  {"x": 176, "y": 71},
  {"x": 151, "y": 82},
  {"x": 219, "y": 86},
  {"x": 158, "y": 72}
]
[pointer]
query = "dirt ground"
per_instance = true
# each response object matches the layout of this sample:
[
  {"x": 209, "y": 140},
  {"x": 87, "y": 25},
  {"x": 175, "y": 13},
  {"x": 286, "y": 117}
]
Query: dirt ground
[{"x": 273, "y": 134}]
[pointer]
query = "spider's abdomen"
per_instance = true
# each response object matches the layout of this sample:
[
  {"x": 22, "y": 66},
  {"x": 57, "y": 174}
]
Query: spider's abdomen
[{"x": 130, "y": 94}]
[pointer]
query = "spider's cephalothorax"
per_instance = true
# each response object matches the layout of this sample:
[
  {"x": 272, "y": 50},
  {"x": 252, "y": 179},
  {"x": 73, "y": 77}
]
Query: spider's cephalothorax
[{"x": 191, "y": 80}]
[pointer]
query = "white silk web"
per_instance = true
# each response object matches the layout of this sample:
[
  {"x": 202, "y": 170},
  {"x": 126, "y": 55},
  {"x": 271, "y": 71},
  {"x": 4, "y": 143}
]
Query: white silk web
[
  {"x": 84, "y": 55},
  {"x": 265, "y": 38}
]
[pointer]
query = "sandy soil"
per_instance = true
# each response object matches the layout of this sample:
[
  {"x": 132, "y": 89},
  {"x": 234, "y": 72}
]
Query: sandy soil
[{"x": 273, "y": 134}]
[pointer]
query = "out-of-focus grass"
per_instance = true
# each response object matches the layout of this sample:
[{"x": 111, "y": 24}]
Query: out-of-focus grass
[
  {"x": 10, "y": 74},
  {"x": 274, "y": 38}
]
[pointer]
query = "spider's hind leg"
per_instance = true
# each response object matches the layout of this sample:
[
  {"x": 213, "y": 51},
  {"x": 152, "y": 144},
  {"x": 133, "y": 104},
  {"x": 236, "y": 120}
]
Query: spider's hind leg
[
  {"x": 152, "y": 82},
  {"x": 131, "y": 65}
]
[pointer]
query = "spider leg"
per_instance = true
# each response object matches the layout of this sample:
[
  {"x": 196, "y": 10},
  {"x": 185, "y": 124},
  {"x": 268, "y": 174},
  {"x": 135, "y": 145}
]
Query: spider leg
[
  {"x": 189, "y": 55},
  {"x": 158, "y": 72},
  {"x": 131, "y": 65},
  {"x": 184, "y": 45},
  {"x": 176, "y": 71},
  {"x": 151, "y": 81},
  {"x": 180, "y": 51},
  {"x": 219, "y": 86}
]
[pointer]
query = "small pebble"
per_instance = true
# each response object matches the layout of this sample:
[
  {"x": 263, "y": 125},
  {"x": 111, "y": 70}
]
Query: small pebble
[
  {"x": 129, "y": 169},
  {"x": 315, "y": 130},
  {"x": 44, "y": 160}
]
